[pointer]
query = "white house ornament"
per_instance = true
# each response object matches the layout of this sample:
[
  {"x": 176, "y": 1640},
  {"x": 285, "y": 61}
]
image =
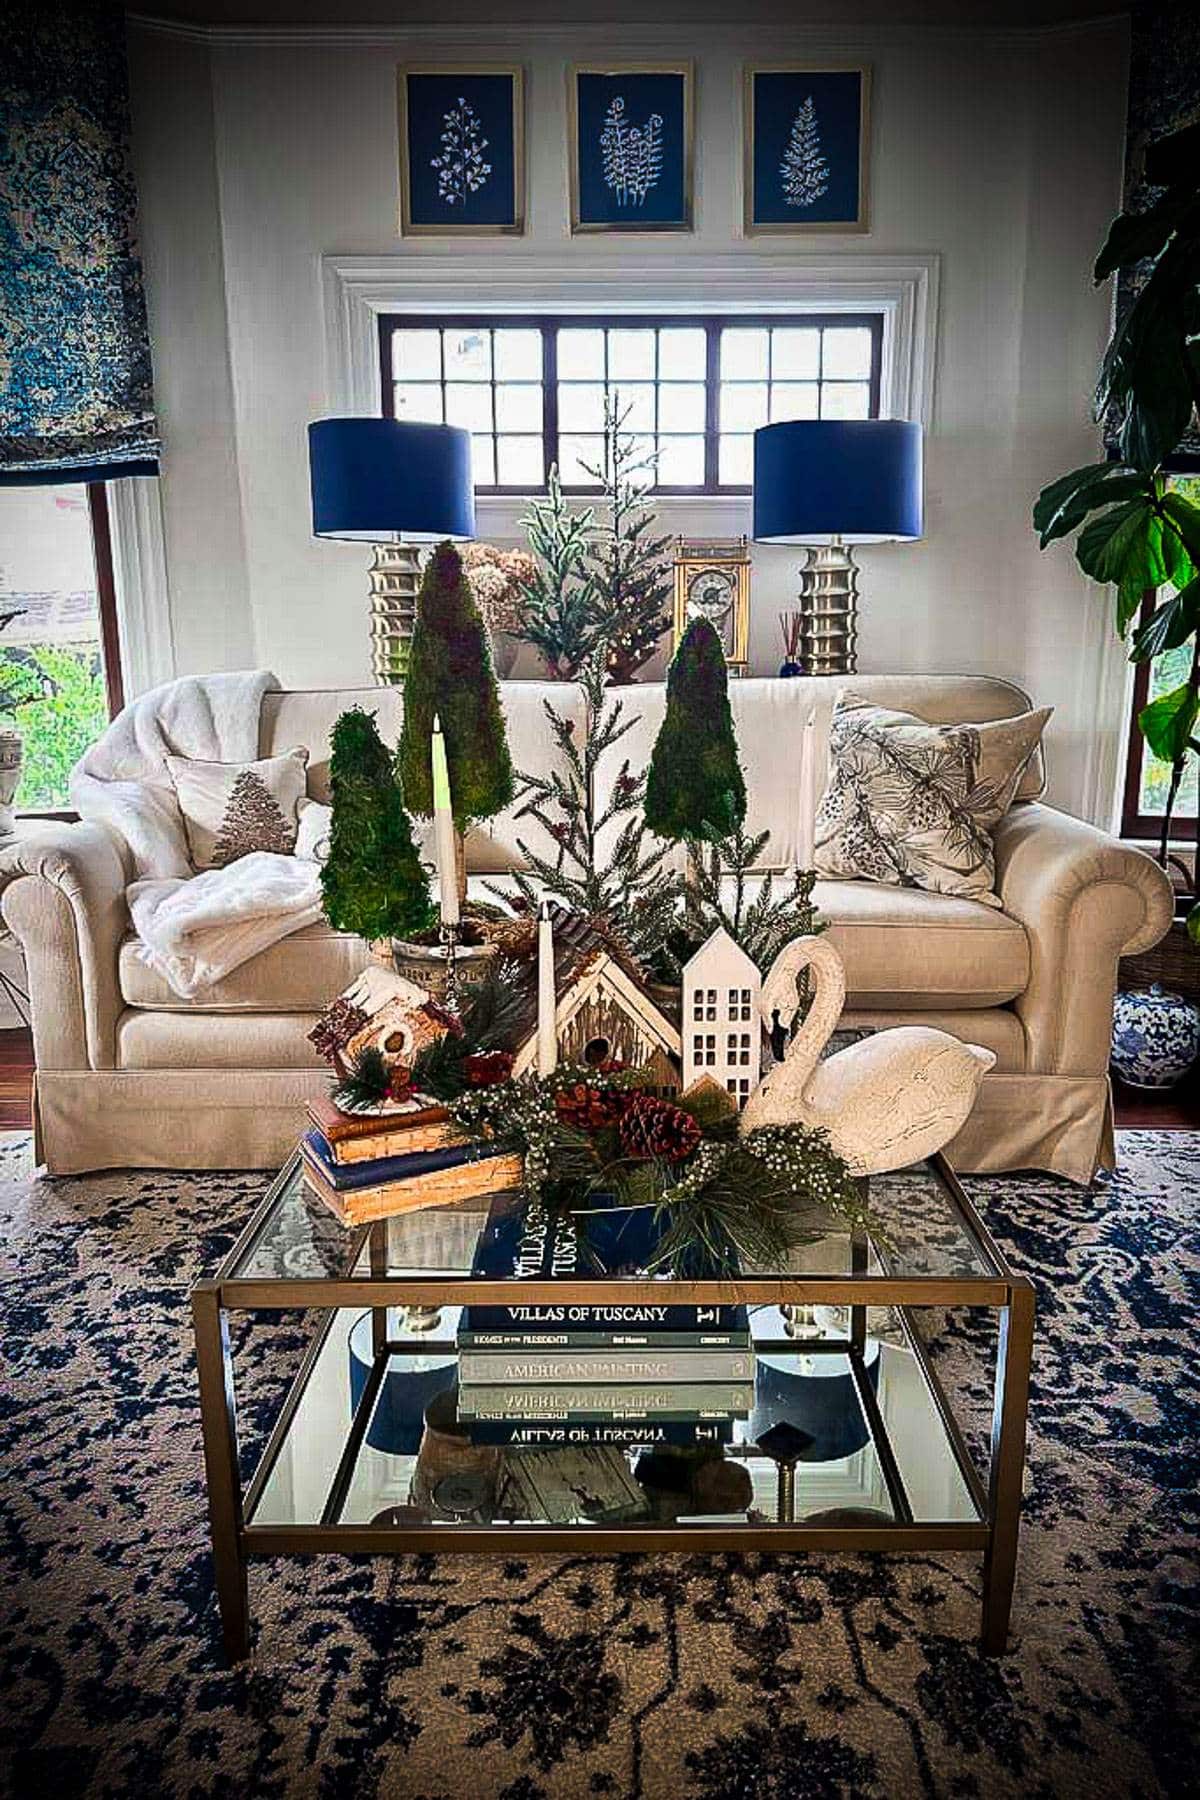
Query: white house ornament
[
  {"x": 721, "y": 1026},
  {"x": 886, "y": 1102}
]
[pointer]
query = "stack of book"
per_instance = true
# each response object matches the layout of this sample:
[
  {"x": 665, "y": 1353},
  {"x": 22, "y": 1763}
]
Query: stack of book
[
  {"x": 567, "y": 1373},
  {"x": 366, "y": 1167}
]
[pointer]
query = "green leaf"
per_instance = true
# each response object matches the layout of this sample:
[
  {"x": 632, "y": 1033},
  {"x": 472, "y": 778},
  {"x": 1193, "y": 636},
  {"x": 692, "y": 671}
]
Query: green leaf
[
  {"x": 1193, "y": 924},
  {"x": 1075, "y": 494},
  {"x": 1172, "y": 624},
  {"x": 1185, "y": 517},
  {"x": 1167, "y": 723},
  {"x": 1120, "y": 539},
  {"x": 1134, "y": 236}
]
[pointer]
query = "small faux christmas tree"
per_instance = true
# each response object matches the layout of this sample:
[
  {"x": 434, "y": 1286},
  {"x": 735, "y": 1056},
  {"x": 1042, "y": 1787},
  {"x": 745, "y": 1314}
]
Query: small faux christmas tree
[
  {"x": 450, "y": 676},
  {"x": 630, "y": 571},
  {"x": 695, "y": 792},
  {"x": 804, "y": 171},
  {"x": 251, "y": 821},
  {"x": 373, "y": 882},
  {"x": 628, "y": 887},
  {"x": 559, "y": 596}
]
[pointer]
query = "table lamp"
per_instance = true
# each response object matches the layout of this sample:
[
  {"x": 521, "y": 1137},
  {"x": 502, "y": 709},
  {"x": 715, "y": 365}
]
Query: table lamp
[
  {"x": 827, "y": 484},
  {"x": 396, "y": 485}
]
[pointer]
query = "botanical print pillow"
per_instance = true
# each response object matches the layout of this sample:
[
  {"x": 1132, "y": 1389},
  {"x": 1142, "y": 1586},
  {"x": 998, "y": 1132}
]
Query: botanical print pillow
[
  {"x": 914, "y": 804},
  {"x": 230, "y": 809}
]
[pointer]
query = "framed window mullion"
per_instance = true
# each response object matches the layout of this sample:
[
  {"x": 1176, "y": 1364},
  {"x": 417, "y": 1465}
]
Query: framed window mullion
[
  {"x": 550, "y": 396},
  {"x": 712, "y": 402}
]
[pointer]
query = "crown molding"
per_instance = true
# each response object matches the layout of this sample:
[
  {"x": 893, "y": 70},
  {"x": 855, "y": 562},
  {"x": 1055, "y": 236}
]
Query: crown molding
[{"x": 822, "y": 39}]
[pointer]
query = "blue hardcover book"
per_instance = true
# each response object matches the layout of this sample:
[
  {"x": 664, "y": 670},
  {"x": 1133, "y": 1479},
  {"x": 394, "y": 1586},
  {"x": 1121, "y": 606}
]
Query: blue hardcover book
[
  {"x": 536, "y": 1245},
  {"x": 346, "y": 1177}
]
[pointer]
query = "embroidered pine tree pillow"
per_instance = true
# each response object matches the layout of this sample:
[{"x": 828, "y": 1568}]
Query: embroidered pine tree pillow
[
  {"x": 230, "y": 809},
  {"x": 914, "y": 804}
]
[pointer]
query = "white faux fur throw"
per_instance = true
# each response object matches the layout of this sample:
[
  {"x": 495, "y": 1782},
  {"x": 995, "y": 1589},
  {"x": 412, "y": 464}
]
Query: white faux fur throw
[
  {"x": 194, "y": 929},
  {"x": 193, "y": 932}
]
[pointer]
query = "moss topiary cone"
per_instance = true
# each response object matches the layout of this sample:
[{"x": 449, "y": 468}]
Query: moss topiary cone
[
  {"x": 695, "y": 790},
  {"x": 450, "y": 674},
  {"x": 373, "y": 882}
]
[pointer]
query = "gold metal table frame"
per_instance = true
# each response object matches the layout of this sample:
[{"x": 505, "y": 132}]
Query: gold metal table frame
[{"x": 995, "y": 1496}]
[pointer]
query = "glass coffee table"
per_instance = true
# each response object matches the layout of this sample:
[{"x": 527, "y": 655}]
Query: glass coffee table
[{"x": 839, "y": 1437}]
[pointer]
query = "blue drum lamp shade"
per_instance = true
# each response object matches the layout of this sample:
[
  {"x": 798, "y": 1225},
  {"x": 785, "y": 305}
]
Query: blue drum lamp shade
[
  {"x": 854, "y": 479},
  {"x": 830, "y": 483},
  {"x": 374, "y": 479}
]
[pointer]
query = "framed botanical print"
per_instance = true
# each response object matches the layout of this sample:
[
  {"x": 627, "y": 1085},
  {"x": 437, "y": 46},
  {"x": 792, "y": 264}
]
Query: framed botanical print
[
  {"x": 805, "y": 151},
  {"x": 630, "y": 146},
  {"x": 462, "y": 151}
]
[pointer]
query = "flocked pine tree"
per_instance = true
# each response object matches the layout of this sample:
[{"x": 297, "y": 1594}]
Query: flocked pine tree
[
  {"x": 450, "y": 677},
  {"x": 559, "y": 600},
  {"x": 804, "y": 171},
  {"x": 373, "y": 882},
  {"x": 631, "y": 581},
  {"x": 251, "y": 821},
  {"x": 695, "y": 791}
]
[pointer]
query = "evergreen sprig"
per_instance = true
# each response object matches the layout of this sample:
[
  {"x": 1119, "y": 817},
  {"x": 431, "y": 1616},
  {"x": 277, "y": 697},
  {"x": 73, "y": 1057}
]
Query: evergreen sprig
[
  {"x": 559, "y": 601},
  {"x": 490, "y": 1019},
  {"x": 627, "y": 884},
  {"x": 719, "y": 894}
]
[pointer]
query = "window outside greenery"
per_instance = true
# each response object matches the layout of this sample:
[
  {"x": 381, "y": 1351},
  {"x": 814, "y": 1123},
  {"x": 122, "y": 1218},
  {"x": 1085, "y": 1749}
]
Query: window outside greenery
[
  {"x": 50, "y": 657},
  {"x": 1168, "y": 672}
]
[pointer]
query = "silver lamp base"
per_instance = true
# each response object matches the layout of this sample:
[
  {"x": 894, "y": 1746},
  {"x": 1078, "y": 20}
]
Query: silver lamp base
[
  {"x": 395, "y": 583},
  {"x": 829, "y": 611}
]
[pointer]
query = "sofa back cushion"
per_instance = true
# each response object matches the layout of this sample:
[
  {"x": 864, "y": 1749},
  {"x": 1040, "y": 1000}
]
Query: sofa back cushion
[
  {"x": 769, "y": 717},
  {"x": 308, "y": 718}
]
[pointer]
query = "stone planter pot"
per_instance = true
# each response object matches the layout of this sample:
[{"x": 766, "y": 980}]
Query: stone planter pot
[
  {"x": 1156, "y": 1038},
  {"x": 425, "y": 964},
  {"x": 12, "y": 754}
]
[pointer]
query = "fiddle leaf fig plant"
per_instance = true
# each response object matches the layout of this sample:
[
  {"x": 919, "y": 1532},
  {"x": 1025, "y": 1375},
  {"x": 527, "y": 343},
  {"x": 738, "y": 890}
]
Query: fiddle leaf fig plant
[{"x": 1134, "y": 533}]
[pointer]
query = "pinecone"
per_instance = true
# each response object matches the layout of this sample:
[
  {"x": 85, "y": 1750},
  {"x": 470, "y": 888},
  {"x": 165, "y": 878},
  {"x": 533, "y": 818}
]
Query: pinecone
[
  {"x": 340, "y": 1021},
  {"x": 590, "y": 1108},
  {"x": 651, "y": 1127}
]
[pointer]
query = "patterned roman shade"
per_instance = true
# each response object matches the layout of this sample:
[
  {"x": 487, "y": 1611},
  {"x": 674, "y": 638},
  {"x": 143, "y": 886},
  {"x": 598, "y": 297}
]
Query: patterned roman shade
[{"x": 76, "y": 390}]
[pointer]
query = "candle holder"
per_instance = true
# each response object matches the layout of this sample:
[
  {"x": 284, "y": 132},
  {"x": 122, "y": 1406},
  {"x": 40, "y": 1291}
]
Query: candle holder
[{"x": 451, "y": 998}]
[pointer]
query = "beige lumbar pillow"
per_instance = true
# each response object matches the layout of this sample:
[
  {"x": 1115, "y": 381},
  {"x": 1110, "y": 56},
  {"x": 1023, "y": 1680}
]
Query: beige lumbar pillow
[
  {"x": 914, "y": 804},
  {"x": 230, "y": 809}
]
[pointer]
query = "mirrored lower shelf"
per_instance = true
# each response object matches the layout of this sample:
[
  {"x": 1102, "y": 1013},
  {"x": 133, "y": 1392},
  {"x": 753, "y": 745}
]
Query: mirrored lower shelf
[{"x": 385, "y": 1438}]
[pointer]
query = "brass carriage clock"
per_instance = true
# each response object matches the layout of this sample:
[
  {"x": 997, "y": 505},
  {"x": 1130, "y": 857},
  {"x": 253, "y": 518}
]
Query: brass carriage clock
[{"x": 712, "y": 581}]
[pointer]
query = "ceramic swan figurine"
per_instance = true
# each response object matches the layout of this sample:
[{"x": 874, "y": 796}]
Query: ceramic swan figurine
[{"x": 885, "y": 1102}]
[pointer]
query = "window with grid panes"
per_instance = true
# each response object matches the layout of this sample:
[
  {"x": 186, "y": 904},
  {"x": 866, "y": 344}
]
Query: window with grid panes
[{"x": 531, "y": 391}]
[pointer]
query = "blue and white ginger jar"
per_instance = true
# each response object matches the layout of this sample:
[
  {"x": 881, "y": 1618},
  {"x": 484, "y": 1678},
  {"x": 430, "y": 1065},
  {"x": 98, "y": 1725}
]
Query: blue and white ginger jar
[{"x": 1156, "y": 1038}]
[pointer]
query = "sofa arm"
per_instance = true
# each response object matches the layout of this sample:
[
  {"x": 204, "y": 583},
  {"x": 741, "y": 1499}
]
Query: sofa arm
[
  {"x": 1085, "y": 900},
  {"x": 64, "y": 900}
]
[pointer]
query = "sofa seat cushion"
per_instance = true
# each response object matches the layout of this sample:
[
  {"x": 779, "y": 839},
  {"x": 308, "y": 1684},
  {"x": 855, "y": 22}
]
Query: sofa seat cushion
[
  {"x": 301, "y": 973},
  {"x": 906, "y": 948}
]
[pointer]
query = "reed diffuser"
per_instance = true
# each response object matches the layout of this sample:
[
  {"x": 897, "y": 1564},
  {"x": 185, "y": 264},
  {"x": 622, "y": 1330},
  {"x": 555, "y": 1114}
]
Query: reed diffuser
[{"x": 789, "y": 624}]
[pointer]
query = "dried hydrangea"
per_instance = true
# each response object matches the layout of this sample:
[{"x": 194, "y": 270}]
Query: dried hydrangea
[{"x": 497, "y": 579}]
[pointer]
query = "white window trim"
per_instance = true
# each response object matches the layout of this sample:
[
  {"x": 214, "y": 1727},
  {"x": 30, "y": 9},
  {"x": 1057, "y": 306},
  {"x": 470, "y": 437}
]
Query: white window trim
[{"x": 356, "y": 290}]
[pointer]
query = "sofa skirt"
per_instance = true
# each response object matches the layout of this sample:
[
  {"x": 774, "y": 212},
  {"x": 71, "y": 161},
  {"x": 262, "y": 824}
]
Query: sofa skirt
[{"x": 243, "y": 1119}]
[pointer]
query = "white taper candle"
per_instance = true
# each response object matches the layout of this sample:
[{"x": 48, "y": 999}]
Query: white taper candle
[
  {"x": 547, "y": 1036},
  {"x": 443, "y": 829}
]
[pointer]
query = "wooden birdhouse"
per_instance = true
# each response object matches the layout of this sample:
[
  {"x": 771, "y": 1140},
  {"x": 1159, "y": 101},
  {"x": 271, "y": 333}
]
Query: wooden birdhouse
[
  {"x": 721, "y": 1029},
  {"x": 604, "y": 1009}
]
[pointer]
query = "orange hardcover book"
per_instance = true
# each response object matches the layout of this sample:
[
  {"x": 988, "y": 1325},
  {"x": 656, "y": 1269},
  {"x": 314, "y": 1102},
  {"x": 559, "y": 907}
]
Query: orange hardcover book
[
  {"x": 355, "y": 1137},
  {"x": 441, "y": 1187}
]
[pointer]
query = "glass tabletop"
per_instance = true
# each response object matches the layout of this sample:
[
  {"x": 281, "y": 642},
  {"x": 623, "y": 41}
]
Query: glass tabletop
[{"x": 925, "y": 1234}]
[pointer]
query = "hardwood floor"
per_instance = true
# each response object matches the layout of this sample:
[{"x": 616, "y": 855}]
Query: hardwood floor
[{"x": 1178, "y": 1110}]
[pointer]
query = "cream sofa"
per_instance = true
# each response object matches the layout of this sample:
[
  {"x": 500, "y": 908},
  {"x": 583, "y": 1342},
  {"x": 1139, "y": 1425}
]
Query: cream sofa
[{"x": 129, "y": 1075}]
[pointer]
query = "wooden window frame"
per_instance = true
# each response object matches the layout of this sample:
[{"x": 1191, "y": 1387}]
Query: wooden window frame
[{"x": 548, "y": 324}]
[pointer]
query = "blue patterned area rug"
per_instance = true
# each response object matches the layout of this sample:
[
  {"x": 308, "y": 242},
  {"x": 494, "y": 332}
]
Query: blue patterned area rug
[{"x": 722, "y": 1678}]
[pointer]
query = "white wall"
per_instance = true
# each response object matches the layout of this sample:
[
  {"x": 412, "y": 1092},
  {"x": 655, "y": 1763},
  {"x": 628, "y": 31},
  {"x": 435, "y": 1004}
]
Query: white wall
[{"x": 999, "y": 150}]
